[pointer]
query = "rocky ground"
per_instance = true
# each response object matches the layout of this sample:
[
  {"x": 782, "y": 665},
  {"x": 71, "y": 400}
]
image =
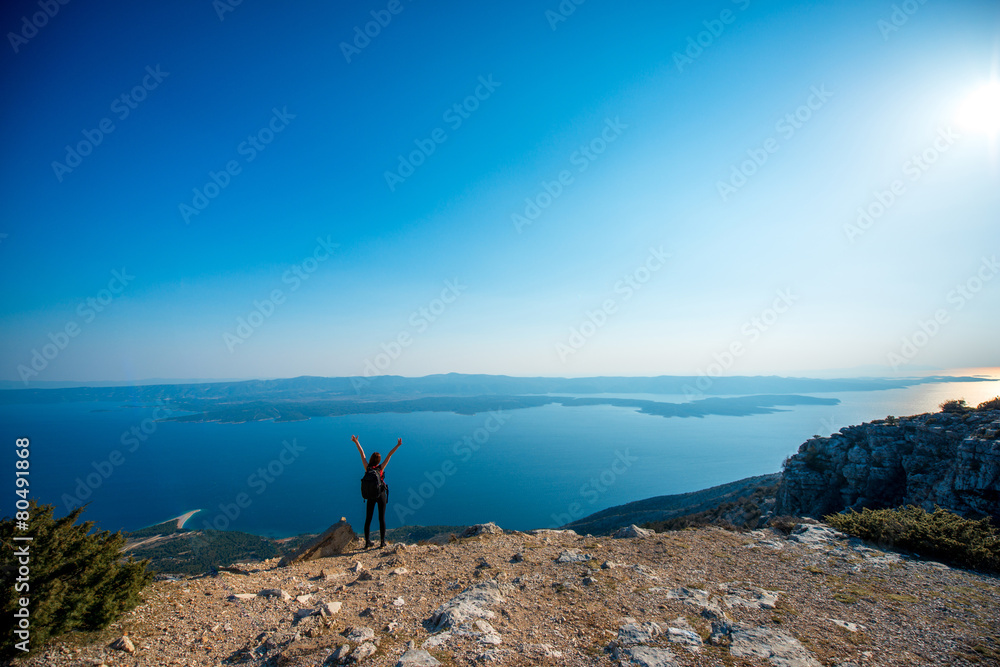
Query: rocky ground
[{"x": 693, "y": 597}]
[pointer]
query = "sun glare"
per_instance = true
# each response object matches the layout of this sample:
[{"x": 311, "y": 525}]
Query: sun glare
[{"x": 980, "y": 111}]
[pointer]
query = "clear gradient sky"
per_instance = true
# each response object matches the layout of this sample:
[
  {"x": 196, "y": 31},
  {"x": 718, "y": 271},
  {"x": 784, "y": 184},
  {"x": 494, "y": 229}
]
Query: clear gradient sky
[{"x": 634, "y": 188}]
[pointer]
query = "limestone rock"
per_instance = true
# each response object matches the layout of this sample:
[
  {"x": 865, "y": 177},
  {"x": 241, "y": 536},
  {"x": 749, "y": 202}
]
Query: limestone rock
[
  {"x": 472, "y": 603},
  {"x": 632, "y": 531},
  {"x": 333, "y": 541},
  {"x": 329, "y": 609},
  {"x": 437, "y": 640},
  {"x": 686, "y": 637},
  {"x": 482, "y": 529},
  {"x": 123, "y": 643},
  {"x": 416, "y": 657},
  {"x": 572, "y": 556},
  {"x": 340, "y": 654},
  {"x": 946, "y": 459},
  {"x": 780, "y": 649},
  {"x": 359, "y": 634},
  {"x": 363, "y": 651},
  {"x": 746, "y": 595},
  {"x": 645, "y": 656},
  {"x": 632, "y": 633}
]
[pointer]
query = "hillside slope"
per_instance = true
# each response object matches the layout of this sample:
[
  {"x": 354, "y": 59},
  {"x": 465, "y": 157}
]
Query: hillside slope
[
  {"x": 695, "y": 597},
  {"x": 664, "y": 508}
]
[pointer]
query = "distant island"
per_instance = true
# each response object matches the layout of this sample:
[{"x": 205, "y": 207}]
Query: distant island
[{"x": 302, "y": 398}]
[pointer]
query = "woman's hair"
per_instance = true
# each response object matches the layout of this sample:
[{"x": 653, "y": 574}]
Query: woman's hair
[{"x": 375, "y": 459}]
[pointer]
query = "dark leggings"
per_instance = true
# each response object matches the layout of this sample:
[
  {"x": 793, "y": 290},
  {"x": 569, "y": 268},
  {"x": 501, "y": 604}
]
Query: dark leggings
[{"x": 382, "y": 501}]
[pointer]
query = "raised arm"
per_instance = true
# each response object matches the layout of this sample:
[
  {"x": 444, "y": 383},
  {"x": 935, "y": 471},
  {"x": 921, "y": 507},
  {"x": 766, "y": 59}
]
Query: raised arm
[
  {"x": 389, "y": 456},
  {"x": 364, "y": 461}
]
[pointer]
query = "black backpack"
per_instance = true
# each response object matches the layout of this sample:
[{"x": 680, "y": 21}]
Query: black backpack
[{"x": 372, "y": 484}]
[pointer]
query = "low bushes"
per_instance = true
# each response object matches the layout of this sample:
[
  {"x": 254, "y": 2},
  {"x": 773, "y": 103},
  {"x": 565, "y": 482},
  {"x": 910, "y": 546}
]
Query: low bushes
[{"x": 941, "y": 535}]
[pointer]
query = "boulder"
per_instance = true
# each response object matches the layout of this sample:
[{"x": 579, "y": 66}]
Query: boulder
[
  {"x": 359, "y": 634},
  {"x": 472, "y": 603},
  {"x": 778, "y": 648},
  {"x": 329, "y": 609},
  {"x": 572, "y": 556},
  {"x": 363, "y": 651},
  {"x": 632, "y": 531},
  {"x": 632, "y": 633},
  {"x": 482, "y": 529},
  {"x": 123, "y": 643},
  {"x": 334, "y": 540}
]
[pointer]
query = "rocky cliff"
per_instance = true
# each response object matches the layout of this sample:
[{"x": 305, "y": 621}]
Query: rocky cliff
[{"x": 949, "y": 459}]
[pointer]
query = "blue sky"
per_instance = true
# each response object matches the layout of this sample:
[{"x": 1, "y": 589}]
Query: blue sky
[{"x": 626, "y": 189}]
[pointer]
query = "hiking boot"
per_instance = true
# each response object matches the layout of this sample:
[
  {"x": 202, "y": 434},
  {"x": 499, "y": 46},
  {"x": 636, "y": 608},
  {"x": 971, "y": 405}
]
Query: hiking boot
[
  {"x": 368, "y": 544},
  {"x": 382, "y": 546}
]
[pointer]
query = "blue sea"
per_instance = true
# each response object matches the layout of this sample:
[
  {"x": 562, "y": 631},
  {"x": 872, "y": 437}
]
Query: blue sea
[{"x": 530, "y": 468}]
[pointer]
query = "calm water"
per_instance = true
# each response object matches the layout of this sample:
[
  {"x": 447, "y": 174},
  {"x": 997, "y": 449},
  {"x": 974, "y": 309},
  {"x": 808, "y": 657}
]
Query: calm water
[{"x": 530, "y": 468}]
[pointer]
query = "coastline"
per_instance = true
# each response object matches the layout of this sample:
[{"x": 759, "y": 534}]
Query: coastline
[{"x": 183, "y": 518}]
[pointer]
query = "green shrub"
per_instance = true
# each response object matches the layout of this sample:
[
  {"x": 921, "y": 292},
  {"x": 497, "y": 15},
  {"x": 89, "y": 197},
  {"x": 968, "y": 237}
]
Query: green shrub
[
  {"x": 77, "y": 580},
  {"x": 955, "y": 405},
  {"x": 992, "y": 404},
  {"x": 941, "y": 535}
]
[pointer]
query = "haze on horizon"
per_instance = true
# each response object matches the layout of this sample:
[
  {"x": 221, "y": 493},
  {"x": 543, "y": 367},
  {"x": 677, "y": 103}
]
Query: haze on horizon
[{"x": 220, "y": 190}]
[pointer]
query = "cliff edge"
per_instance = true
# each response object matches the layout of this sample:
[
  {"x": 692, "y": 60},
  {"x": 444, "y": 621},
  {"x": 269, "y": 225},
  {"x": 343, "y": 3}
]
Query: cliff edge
[{"x": 950, "y": 459}]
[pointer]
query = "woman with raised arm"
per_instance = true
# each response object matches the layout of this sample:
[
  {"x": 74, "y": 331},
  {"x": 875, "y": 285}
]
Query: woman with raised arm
[{"x": 376, "y": 464}]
